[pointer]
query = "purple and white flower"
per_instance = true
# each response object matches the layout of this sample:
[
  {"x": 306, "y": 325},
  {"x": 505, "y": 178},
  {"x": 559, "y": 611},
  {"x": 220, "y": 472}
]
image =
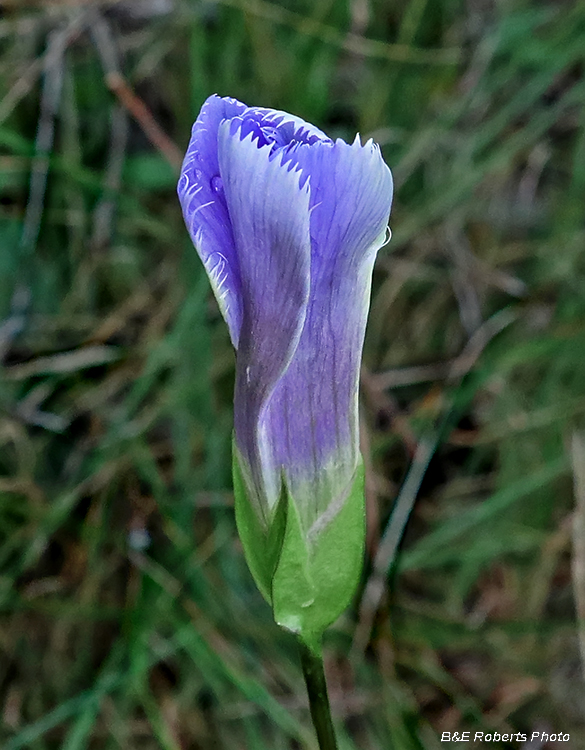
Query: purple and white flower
[{"x": 287, "y": 223}]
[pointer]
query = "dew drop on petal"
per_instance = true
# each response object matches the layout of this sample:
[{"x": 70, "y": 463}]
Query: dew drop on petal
[
  {"x": 197, "y": 173},
  {"x": 216, "y": 184}
]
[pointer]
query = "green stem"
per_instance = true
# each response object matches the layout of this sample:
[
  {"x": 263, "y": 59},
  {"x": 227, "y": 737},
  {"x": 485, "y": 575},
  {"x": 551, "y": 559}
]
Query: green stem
[{"x": 312, "y": 664}]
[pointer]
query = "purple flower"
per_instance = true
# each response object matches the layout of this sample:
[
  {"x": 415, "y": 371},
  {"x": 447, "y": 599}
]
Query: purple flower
[{"x": 287, "y": 223}]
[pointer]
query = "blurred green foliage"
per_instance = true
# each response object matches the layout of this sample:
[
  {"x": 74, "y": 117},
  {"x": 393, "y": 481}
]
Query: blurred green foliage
[{"x": 128, "y": 617}]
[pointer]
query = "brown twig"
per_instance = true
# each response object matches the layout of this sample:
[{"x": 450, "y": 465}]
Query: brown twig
[{"x": 138, "y": 109}]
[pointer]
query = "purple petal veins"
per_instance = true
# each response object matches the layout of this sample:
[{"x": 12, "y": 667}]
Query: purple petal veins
[
  {"x": 288, "y": 223},
  {"x": 269, "y": 212}
]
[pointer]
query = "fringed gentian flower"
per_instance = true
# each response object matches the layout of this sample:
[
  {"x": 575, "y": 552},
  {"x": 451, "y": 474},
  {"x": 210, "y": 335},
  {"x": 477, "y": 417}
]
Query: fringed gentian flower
[{"x": 288, "y": 223}]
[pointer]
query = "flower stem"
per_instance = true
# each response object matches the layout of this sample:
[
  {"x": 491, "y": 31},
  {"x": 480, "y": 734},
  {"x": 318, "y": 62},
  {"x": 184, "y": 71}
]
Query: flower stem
[{"x": 312, "y": 664}]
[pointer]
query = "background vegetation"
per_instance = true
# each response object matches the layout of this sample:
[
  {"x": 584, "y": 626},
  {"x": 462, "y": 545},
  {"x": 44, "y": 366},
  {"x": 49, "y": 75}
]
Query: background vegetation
[{"x": 128, "y": 617}]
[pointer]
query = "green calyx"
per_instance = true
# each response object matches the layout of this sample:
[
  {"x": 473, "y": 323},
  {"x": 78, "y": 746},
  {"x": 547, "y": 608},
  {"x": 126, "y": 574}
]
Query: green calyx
[{"x": 308, "y": 579}]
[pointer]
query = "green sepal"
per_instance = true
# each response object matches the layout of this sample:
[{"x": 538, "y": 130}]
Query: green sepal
[
  {"x": 262, "y": 543},
  {"x": 332, "y": 559},
  {"x": 293, "y": 588},
  {"x": 309, "y": 579}
]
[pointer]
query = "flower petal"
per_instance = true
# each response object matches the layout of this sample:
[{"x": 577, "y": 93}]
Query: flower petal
[
  {"x": 312, "y": 416},
  {"x": 288, "y": 123},
  {"x": 269, "y": 213},
  {"x": 205, "y": 209}
]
